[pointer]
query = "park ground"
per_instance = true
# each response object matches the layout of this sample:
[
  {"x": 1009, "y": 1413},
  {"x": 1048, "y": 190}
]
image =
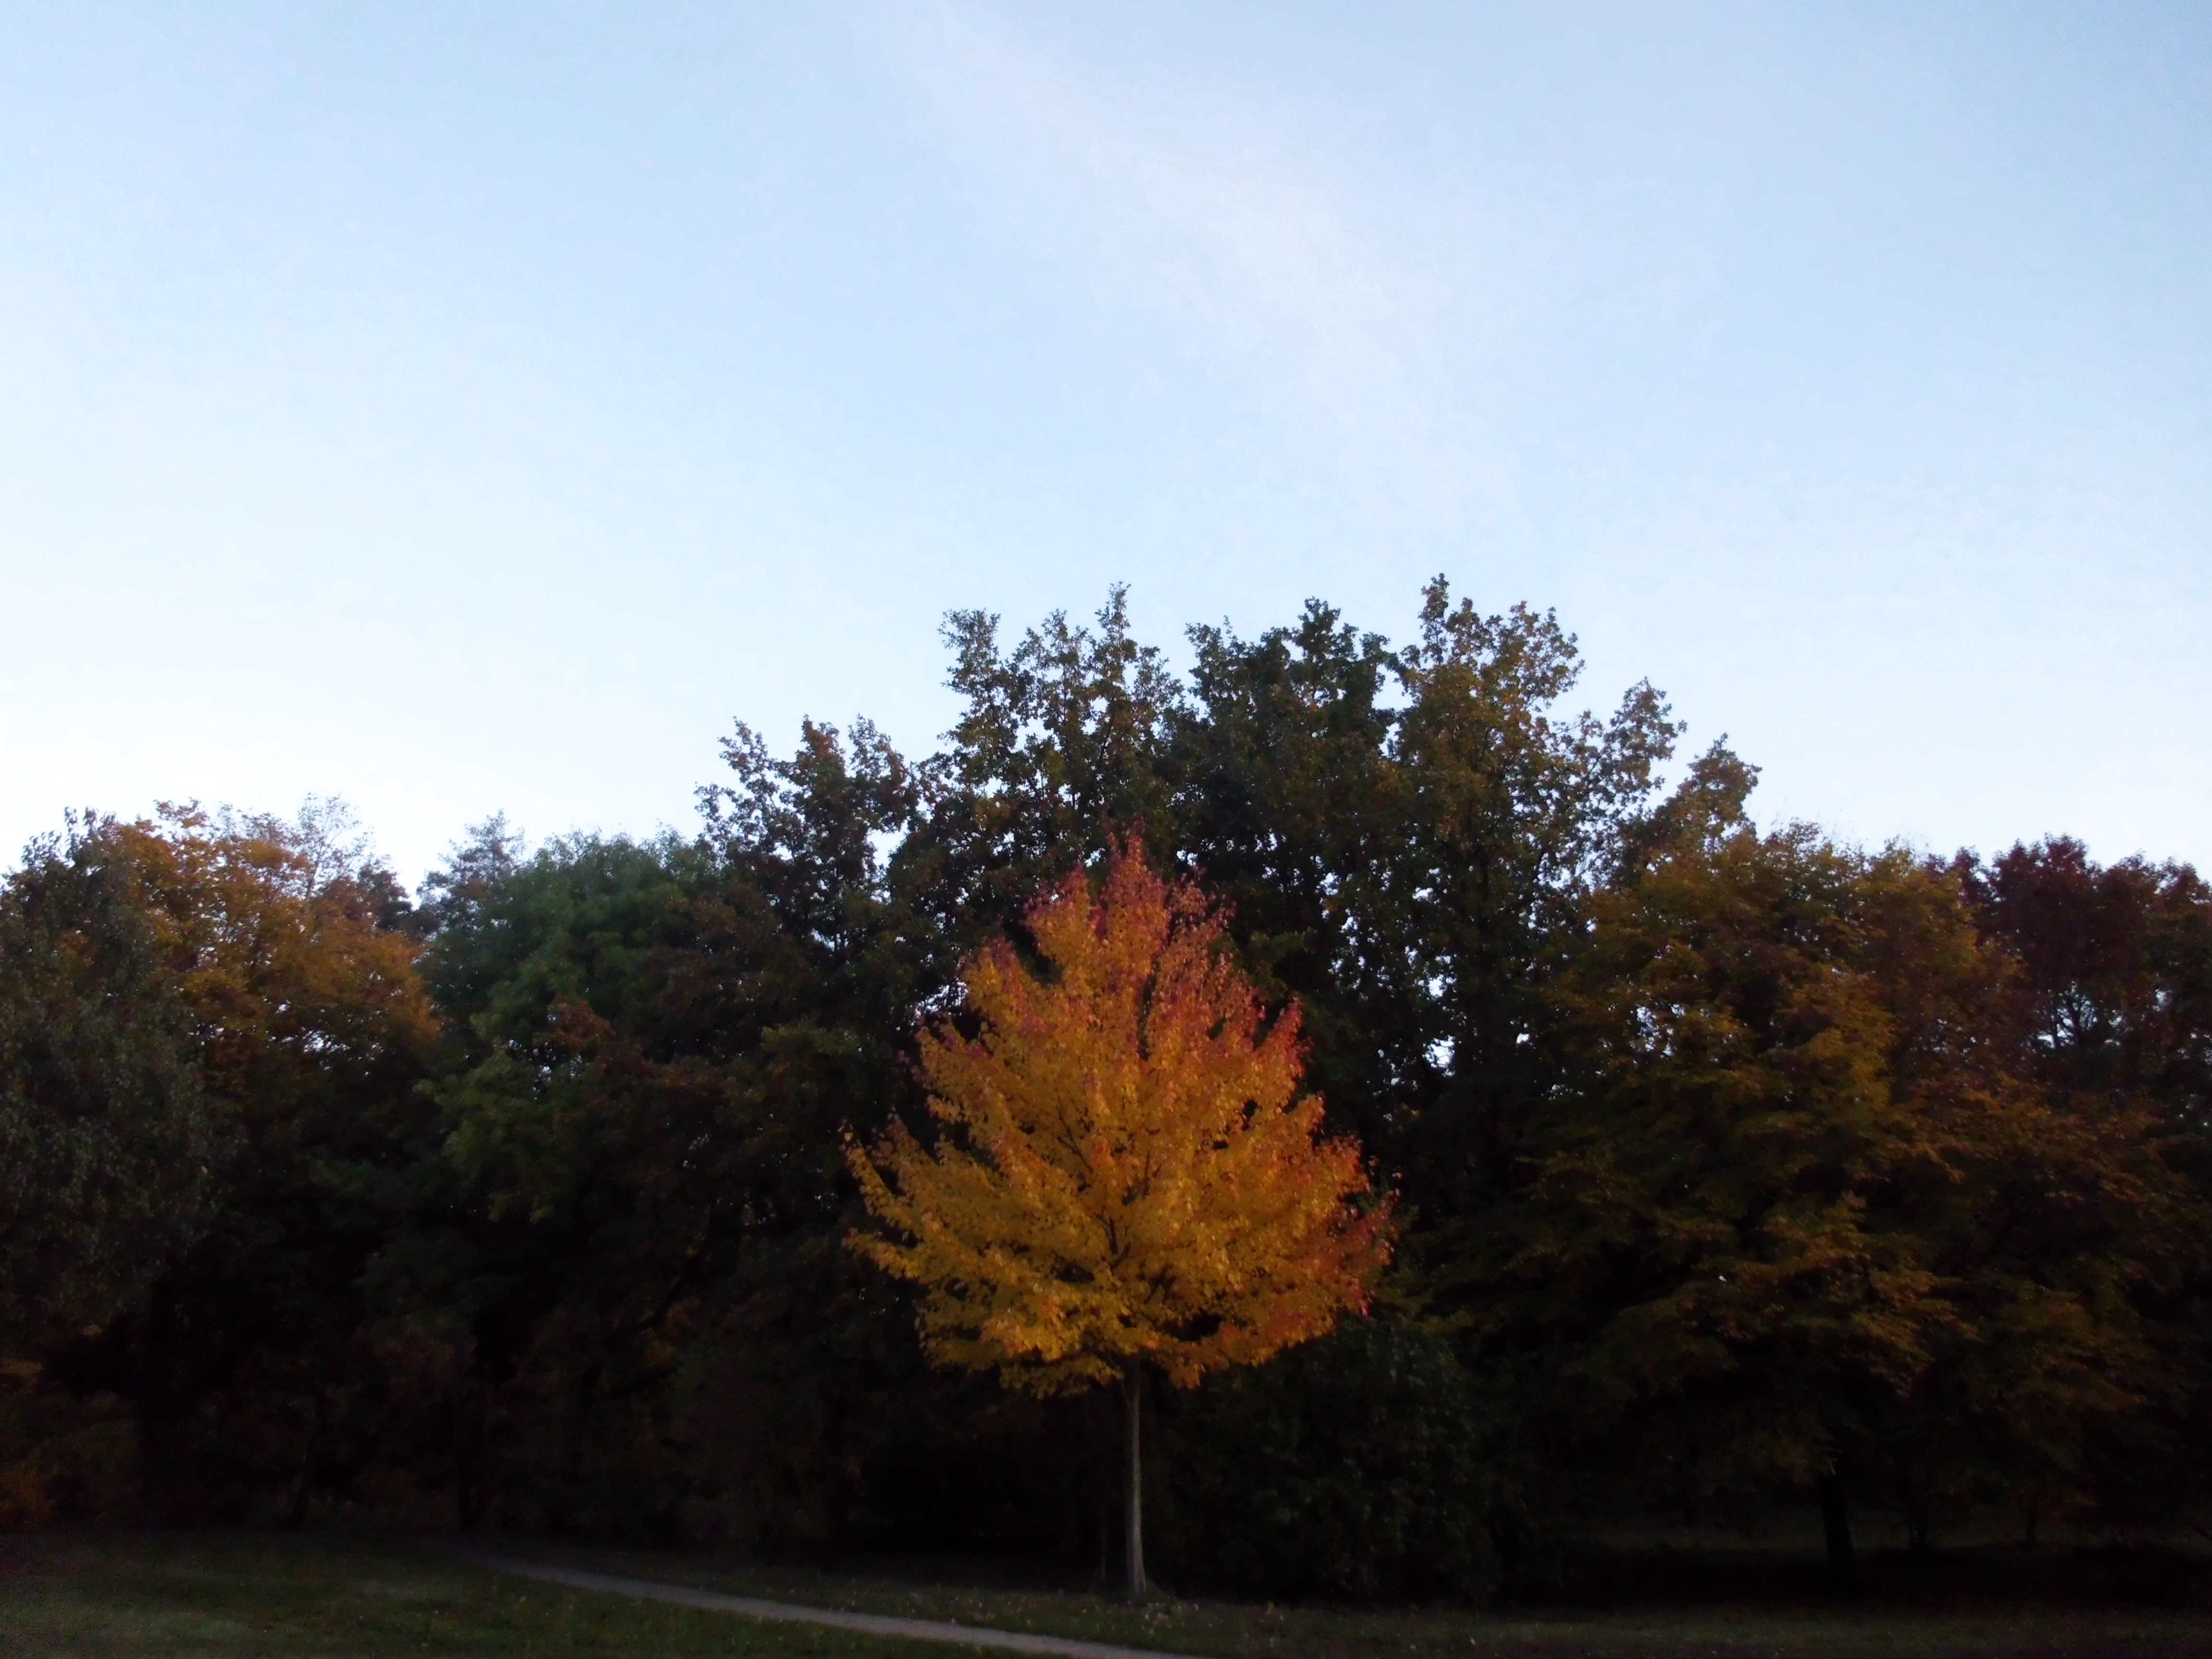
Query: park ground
[{"x": 233, "y": 1596}]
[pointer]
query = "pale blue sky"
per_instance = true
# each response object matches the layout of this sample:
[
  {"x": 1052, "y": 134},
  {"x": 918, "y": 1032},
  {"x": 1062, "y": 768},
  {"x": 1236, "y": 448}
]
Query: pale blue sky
[{"x": 464, "y": 408}]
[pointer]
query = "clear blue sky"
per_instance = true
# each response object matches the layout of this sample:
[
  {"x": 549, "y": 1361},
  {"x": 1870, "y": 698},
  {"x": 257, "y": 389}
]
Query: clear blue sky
[{"x": 466, "y": 408}]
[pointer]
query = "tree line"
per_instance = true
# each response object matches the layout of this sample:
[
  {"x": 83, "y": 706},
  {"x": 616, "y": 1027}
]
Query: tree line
[{"x": 1730, "y": 1167}]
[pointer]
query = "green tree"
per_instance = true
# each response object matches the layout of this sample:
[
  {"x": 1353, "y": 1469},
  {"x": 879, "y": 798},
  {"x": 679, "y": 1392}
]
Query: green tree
[
  {"x": 657, "y": 1045},
  {"x": 2114, "y": 995},
  {"x": 2109, "y": 1011},
  {"x": 1361, "y": 1467},
  {"x": 109, "y": 1147},
  {"x": 1404, "y": 839},
  {"x": 244, "y": 1361},
  {"x": 1058, "y": 746},
  {"x": 1797, "y": 1221},
  {"x": 1289, "y": 800}
]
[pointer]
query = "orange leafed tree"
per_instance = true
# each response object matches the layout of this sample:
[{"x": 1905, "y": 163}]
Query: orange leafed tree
[{"x": 1127, "y": 1174}]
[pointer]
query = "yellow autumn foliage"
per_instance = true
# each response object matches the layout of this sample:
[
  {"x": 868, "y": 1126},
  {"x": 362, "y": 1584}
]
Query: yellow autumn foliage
[{"x": 1126, "y": 1173}]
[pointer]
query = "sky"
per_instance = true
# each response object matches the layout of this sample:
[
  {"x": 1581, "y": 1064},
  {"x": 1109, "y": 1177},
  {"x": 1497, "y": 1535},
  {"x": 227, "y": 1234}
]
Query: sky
[{"x": 464, "y": 409}]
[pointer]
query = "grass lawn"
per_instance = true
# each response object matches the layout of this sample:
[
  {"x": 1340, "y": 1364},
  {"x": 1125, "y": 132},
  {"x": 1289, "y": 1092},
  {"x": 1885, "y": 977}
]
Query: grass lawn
[
  {"x": 232, "y": 1597},
  {"x": 1814, "y": 1628},
  {"x": 273, "y": 1597}
]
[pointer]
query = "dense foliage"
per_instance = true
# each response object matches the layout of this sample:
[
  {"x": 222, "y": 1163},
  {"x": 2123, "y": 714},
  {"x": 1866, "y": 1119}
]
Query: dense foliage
[
  {"x": 1732, "y": 1167},
  {"x": 1127, "y": 1177}
]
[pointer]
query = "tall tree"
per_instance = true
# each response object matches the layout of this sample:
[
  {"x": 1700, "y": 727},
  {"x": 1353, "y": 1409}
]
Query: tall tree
[
  {"x": 1128, "y": 1175},
  {"x": 1406, "y": 838},
  {"x": 1519, "y": 811},
  {"x": 1058, "y": 746},
  {"x": 656, "y": 1045},
  {"x": 1796, "y": 1219},
  {"x": 109, "y": 1147},
  {"x": 2115, "y": 988},
  {"x": 308, "y": 1027},
  {"x": 2109, "y": 1011},
  {"x": 1291, "y": 807}
]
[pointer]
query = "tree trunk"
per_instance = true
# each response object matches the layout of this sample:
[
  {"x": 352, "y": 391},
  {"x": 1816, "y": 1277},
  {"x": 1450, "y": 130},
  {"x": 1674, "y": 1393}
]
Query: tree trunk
[
  {"x": 1920, "y": 1525},
  {"x": 466, "y": 1422},
  {"x": 1132, "y": 1392},
  {"x": 303, "y": 1487},
  {"x": 1836, "y": 1522}
]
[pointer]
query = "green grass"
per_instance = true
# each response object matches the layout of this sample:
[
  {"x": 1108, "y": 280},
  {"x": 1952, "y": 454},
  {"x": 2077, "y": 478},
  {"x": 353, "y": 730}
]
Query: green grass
[
  {"x": 229, "y": 1597},
  {"x": 1228, "y": 1629}
]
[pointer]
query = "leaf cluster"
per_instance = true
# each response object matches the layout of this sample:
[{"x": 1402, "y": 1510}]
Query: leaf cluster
[{"x": 1128, "y": 1174}]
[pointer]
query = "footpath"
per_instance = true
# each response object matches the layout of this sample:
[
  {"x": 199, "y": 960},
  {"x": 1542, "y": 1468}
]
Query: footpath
[{"x": 872, "y": 1624}]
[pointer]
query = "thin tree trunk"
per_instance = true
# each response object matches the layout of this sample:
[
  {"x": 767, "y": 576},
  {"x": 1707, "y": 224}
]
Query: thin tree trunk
[
  {"x": 1101, "y": 1415},
  {"x": 1132, "y": 1392},
  {"x": 1919, "y": 1525},
  {"x": 296, "y": 1513},
  {"x": 1836, "y": 1522},
  {"x": 466, "y": 1421}
]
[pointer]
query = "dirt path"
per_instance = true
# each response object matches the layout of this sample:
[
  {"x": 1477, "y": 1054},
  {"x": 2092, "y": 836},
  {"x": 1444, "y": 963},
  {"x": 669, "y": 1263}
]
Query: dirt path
[{"x": 914, "y": 1630}]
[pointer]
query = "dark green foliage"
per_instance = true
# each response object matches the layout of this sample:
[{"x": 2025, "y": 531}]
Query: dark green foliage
[
  {"x": 2114, "y": 994},
  {"x": 2111, "y": 1009},
  {"x": 658, "y": 1048},
  {"x": 1061, "y": 745},
  {"x": 109, "y": 1147},
  {"x": 1361, "y": 1467},
  {"x": 247, "y": 1359},
  {"x": 1407, "y": 838}
]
